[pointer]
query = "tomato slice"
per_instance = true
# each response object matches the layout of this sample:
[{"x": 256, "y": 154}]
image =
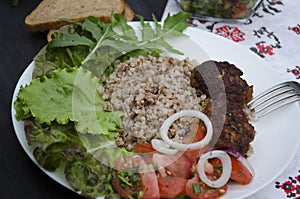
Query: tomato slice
[
  {"x": 170, "y": 187},
  {"x": 173, "y": 165},
  {"x": 196, "y": 134},
  {"x": 141, "y": 183},
  {"x": 182, "y": 167},
  {"x": 149, "y": 182},
  {"x": 200, "y": 134},
  {"x": 196, "y": 189},
  {"x": 239, "y": 172},
  {"x": 143, "y": 148},
  {"x": 194, "y": 155}
]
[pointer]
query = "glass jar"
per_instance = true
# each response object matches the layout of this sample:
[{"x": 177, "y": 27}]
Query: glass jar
[{"x": 220, "y": 10}]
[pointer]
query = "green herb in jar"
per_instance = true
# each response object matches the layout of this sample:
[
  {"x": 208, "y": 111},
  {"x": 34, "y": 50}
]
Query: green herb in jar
[{"x": 227, "y": 9}]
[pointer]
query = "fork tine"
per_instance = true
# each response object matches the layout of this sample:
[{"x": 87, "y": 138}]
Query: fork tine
[
  {"x": 267, "y": 92},
  {"x": 275, "y": 104},
  {"x": 271, "y": 95},
  {"x": 274, "y": 98}
]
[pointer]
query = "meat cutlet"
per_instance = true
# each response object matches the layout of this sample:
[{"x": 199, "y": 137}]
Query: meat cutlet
[{"x": 221, "y": 82}]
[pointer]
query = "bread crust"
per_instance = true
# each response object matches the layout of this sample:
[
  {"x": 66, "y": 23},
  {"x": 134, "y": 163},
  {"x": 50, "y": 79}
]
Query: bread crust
[
  {"x": 128, "y": 12},
  {"x": 47, "y": 14}
]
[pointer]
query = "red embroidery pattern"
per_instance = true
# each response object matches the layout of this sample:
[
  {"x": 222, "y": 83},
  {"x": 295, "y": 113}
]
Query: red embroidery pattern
[
  {"x": 295, "y": 71},
  {"x": 230, "y": 32},
  {"x": 274, "y": 2},
  {"x": 264, "y": 49},
  {"x": 291, "y": 187},
  {"x": 296, "y": 29},
  {"x": 268, "y": 42}
]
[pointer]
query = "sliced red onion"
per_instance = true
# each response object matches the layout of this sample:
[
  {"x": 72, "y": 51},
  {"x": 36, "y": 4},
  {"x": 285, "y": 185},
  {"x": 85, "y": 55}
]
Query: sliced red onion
[
  {"x": 183, "y": 147},
  {"x": 226, "y": 171},
  {"x": 238, "y": 156},
  {"x": 163, "y": 147}
]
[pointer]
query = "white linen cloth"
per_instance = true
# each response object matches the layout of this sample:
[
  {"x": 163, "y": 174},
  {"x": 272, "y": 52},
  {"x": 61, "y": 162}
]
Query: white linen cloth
[{"x": 273, "y": 33}]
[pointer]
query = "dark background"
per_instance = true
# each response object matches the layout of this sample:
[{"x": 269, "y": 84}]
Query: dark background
[{"x": 19, "y": 176}]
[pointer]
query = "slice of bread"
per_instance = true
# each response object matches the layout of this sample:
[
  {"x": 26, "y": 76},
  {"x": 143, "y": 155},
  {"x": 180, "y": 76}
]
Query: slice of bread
[{"x": 46, "y": 15}]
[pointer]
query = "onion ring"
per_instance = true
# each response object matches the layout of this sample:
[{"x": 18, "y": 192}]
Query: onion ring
[
  {"x": 183, "y": 147},
  {"x": 226, "y": 165},
  {"x": 162, "y": 147}
]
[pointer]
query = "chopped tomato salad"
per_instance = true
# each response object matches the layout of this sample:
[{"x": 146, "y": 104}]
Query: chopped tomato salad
[
  {"x": 239, "y": 172},
  {"x": 151, "y": 174},
  {"x": 197, "y": 189}
]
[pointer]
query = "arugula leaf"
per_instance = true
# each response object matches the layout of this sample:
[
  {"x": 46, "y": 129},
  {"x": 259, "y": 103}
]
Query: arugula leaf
[
  {"x": 67, "y": 96},
  {"x": 91, "y": 24},
  {"x": 119, "y": 22},
  {"x": 71, "y": 40},
  {"x": 176, "y": 23},
  {"x": 96, "y": 45},
  {"x": 173, "y": 26},
  {"x": 125, "y": 41}
]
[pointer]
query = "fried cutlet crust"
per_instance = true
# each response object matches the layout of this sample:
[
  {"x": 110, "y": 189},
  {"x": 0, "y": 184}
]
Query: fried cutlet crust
[{"x": 236, "y": 131}]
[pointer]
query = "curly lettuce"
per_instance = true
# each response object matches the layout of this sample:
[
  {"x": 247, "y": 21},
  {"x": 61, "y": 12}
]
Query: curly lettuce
[
  {"x": 60, "y": 145},
  {"x": 67, "y": 96}
]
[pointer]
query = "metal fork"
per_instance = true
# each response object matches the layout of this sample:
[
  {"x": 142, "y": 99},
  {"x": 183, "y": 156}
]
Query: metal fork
[{"x": 274, "y": 98}]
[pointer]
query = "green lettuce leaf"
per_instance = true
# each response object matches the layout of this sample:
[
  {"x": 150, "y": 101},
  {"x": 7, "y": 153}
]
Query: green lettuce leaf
[
  {"x": 47, "y": 99},
  {"x": 67, "y": 96},
  {"x": 61, "y": 147},
  {"x": 38, "y": 135}
]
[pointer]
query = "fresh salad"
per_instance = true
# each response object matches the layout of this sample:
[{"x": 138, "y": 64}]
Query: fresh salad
[
  {"x": 227, "y": 9},
  {"x": 67, "y": 126}
]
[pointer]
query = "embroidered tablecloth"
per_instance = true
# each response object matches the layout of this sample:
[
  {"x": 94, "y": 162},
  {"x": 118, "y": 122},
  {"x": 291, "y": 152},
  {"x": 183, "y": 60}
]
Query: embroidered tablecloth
[{"x": 272, "y": 33}]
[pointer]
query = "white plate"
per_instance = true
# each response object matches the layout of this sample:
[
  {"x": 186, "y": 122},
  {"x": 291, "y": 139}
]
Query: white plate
[{"x": 277, "y": 135}]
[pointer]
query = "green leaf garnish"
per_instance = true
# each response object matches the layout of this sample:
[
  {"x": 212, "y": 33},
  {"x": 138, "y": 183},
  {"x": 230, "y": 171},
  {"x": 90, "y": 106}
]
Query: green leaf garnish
[
  {"x": 67, "y": 96},
  {"x": 71, "y": 40},
  {"x": 95, "y": 45},
  {"x": 196, "y": 188}
]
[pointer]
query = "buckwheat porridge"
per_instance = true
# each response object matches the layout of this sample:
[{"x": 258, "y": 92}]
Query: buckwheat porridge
[{"x": 149, "y": 90}]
